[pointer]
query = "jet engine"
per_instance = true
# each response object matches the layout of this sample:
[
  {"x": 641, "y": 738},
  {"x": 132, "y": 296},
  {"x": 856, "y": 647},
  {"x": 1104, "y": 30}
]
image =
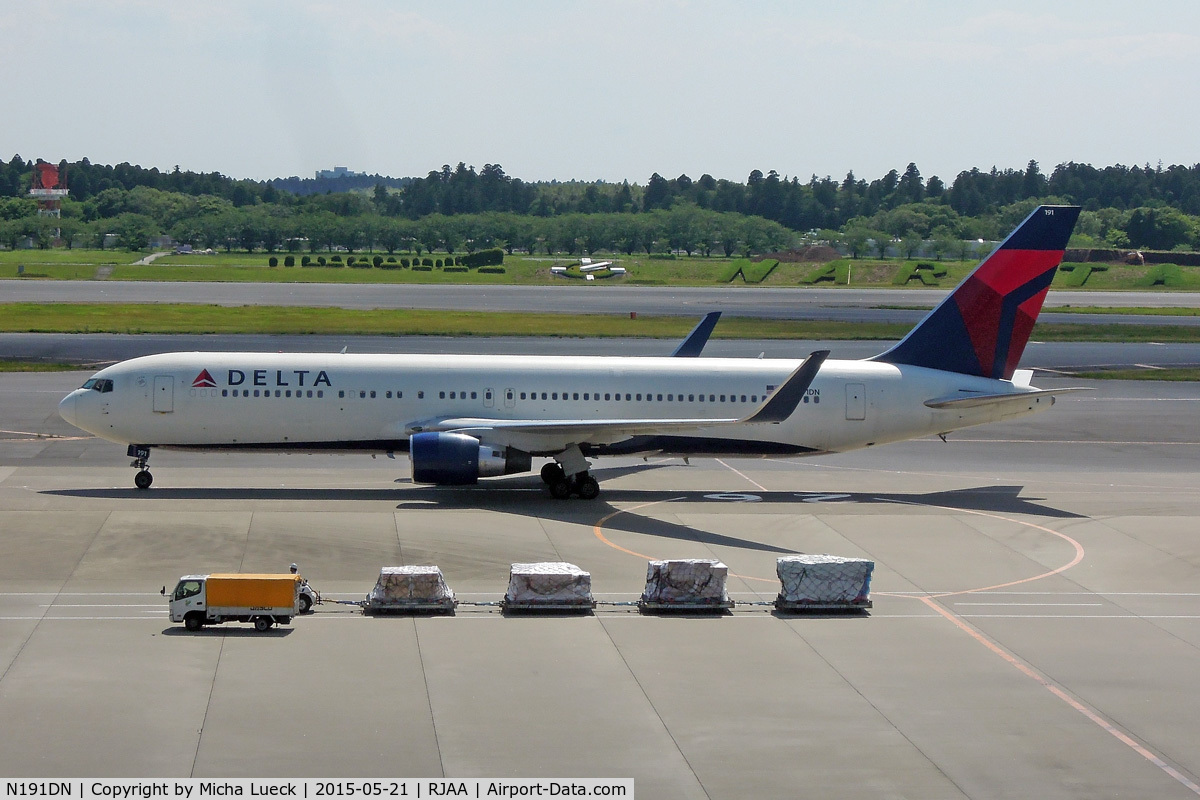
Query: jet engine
[{"x": 456, "y": 459}]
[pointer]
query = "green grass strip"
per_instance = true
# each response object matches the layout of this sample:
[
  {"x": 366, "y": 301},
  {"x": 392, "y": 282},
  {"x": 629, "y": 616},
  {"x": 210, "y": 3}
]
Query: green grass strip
[
  {"x": 1166, "y": 374},
  {"x": 36, "y": 366},
  {"x": 197, "y": 319}
]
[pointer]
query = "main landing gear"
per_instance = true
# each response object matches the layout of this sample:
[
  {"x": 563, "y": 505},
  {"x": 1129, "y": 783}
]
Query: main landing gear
[
  {"x": 140, "y": 456},
  {"x": 562, "y": 486}
]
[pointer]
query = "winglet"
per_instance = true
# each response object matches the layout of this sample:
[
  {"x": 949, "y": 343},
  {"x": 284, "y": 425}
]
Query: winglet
[
  {"x": 783, "y": 402},
  {"x": 695, "y": 341}
]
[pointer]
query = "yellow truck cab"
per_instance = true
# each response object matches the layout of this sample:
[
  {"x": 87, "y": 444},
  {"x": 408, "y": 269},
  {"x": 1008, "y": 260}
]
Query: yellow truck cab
[{"x": 264, "y": 600}]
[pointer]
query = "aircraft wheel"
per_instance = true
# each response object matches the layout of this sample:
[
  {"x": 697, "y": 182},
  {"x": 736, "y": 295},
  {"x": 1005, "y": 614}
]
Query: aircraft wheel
[
  {"x": 588, "y": 488},
  {"x": 561, "y": 489},
  {"x": 143, "y": 479},
  {"x": 552, "y": 473},
  {"x": 262, "y": 624}
]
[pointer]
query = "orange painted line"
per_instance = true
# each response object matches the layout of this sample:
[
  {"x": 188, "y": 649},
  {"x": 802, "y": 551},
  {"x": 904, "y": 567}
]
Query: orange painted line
[
  {"x": 598, "y": 528},
  {"x": 1079, "y": 551},
  {"x": 1060, "y": 693}
]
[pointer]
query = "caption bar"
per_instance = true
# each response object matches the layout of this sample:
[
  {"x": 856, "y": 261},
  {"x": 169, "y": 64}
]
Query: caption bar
[{"x": 196, "y": 788}]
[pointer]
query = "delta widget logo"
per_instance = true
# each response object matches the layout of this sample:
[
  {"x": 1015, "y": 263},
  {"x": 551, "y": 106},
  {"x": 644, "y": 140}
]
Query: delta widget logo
[{"x": 204, "y": 381}]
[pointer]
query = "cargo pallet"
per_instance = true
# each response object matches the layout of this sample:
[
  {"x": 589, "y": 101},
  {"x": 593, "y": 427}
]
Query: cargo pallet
[
  {"x": 508, "y": 606},
  {"x": 683, "y": 607},
  {"x": 416, "y": 607},
  {"x": 800, "y": 608}
]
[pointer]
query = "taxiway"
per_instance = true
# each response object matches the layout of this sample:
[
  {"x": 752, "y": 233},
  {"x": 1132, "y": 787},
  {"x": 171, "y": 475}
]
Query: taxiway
[{"x": 1036, "y": 629}]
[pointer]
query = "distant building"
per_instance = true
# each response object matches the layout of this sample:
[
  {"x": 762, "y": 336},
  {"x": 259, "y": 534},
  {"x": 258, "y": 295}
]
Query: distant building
[{"x": 338, "y": 172}]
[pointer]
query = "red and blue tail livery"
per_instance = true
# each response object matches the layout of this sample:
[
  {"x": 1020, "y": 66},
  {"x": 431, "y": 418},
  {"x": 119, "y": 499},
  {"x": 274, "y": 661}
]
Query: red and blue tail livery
[{"x": 983, "y": 326}]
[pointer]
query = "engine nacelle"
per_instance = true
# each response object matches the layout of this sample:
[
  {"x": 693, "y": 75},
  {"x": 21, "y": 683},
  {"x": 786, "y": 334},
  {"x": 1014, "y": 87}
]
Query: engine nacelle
[{"x": 456, "y": 459}]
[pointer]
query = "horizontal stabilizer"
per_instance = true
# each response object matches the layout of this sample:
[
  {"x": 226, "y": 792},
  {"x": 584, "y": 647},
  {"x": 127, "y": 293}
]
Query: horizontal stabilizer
[{"x": 1008, "y": 398}]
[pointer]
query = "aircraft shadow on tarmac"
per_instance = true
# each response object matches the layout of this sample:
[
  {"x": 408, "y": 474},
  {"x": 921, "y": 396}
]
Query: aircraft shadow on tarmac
[{"x": 525, "y": 495}]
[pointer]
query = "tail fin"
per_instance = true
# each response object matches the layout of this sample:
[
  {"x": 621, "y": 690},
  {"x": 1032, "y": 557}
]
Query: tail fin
[{"x": 983, "y": 326}]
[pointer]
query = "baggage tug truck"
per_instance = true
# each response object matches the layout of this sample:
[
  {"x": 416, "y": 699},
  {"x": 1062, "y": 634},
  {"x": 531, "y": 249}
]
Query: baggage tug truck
[{"x": 265, "y": 600}]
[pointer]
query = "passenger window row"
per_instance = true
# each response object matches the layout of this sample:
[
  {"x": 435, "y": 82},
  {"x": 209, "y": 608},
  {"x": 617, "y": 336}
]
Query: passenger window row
[
  {"x": 639, "y": 397},
  {"x": 303, "y": 393}
]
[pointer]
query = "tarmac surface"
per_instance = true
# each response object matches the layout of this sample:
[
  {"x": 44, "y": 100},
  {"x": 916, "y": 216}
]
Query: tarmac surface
[
  {"x": 850, "y": 305},
  {"x": 102, "y": 349},
  {"x": 1035, "y": 630}
]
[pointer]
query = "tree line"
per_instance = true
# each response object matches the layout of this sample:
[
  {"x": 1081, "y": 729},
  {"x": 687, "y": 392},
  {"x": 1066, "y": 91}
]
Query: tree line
[{"x": 1148, "y": 207}]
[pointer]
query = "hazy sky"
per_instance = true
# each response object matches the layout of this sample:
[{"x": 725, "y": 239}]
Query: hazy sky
[{"x": 613, "y": 89}]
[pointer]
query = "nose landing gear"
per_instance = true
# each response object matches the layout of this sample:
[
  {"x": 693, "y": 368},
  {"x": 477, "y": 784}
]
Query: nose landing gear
[{"x": 140, "y": 456}]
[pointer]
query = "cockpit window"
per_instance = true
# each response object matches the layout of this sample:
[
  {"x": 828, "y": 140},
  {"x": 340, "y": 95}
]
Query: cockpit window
[
  {"x": 101, "y": 385},
  {"x": 90, "y": 383}
]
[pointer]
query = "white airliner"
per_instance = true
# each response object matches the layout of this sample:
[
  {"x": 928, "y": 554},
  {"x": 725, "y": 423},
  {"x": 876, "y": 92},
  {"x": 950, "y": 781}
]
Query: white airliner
[{"x": 464, "y": 417}]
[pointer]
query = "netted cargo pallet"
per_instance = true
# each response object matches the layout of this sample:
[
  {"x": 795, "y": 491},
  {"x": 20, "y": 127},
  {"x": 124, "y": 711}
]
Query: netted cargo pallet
[
  {"x": 686, "y": 585},
  {"x": 548, "y": 586},
  {"x": 819, "y": 582},
  {"x": 411, "y": 590}
]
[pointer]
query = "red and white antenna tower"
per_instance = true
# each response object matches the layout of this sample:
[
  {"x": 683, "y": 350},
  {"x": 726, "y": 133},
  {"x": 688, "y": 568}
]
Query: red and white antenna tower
[{"x": 49, "y": 188}]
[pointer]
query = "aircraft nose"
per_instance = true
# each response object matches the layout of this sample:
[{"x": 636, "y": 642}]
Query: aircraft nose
[{"x": 66, "y": 408}]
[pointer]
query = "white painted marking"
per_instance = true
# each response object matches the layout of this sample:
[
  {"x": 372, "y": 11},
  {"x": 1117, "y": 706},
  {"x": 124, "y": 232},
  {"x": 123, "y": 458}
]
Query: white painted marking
[
  {"x": 1029, "y": 604},
  {"x": 94, "y": 605}
]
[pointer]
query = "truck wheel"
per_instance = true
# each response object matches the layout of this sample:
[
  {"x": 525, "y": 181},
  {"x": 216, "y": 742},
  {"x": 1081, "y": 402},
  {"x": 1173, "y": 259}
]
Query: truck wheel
[
  {"x": 193, "y": 622},
  {"x": 305, "y": 603},
  {"x": 262, "y": 624}
]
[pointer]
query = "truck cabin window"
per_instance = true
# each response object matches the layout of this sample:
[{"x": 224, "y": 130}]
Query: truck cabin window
[{"x": 186, "y": 589}]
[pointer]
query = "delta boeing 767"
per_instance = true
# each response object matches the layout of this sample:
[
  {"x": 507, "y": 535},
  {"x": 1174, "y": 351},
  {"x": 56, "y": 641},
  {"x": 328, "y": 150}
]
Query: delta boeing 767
[{"x": 465, "y": 417}]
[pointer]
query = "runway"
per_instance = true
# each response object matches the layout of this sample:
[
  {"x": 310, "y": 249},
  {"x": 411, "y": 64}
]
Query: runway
[
  {"x": 1036, "y": 629},
  {"x": 102, "y": 349},
  {"x": 852, "y": 305}
]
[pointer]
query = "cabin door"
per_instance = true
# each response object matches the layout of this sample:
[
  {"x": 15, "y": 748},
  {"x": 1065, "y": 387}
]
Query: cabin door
[
  {"x": 489, "y": 398},
  {"x": 510, "y": 398},
  {"x": 164, "y": 393}
]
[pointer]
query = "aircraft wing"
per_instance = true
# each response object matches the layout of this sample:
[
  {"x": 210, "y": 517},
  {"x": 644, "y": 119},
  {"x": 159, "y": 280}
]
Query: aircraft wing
[
  {"x": 775, "y": 409},
  {"x": 695, "y": 341},
  {"x": 998, "y": 400}
]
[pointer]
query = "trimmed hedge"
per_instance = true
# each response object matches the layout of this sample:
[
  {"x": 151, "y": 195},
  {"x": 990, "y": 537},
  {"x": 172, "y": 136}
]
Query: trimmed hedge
[
  {"x": 422, "y": 268},
  {"x": 927, "y": 274},
  {"x": 1077, "y": 274},
  {"x": 483, "y": 258},
  {"x": 272, "y": 262},
  {"x": 733, "y": 270},
  {"x": 305, "y": 261},
  {"x": 378, "y": 261},
  {"x": 492, "y": 270},
  {"x": 289, "y": 261},
  {"x": 456, "y": 269},
  {"x": 758, "y": 271}
]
